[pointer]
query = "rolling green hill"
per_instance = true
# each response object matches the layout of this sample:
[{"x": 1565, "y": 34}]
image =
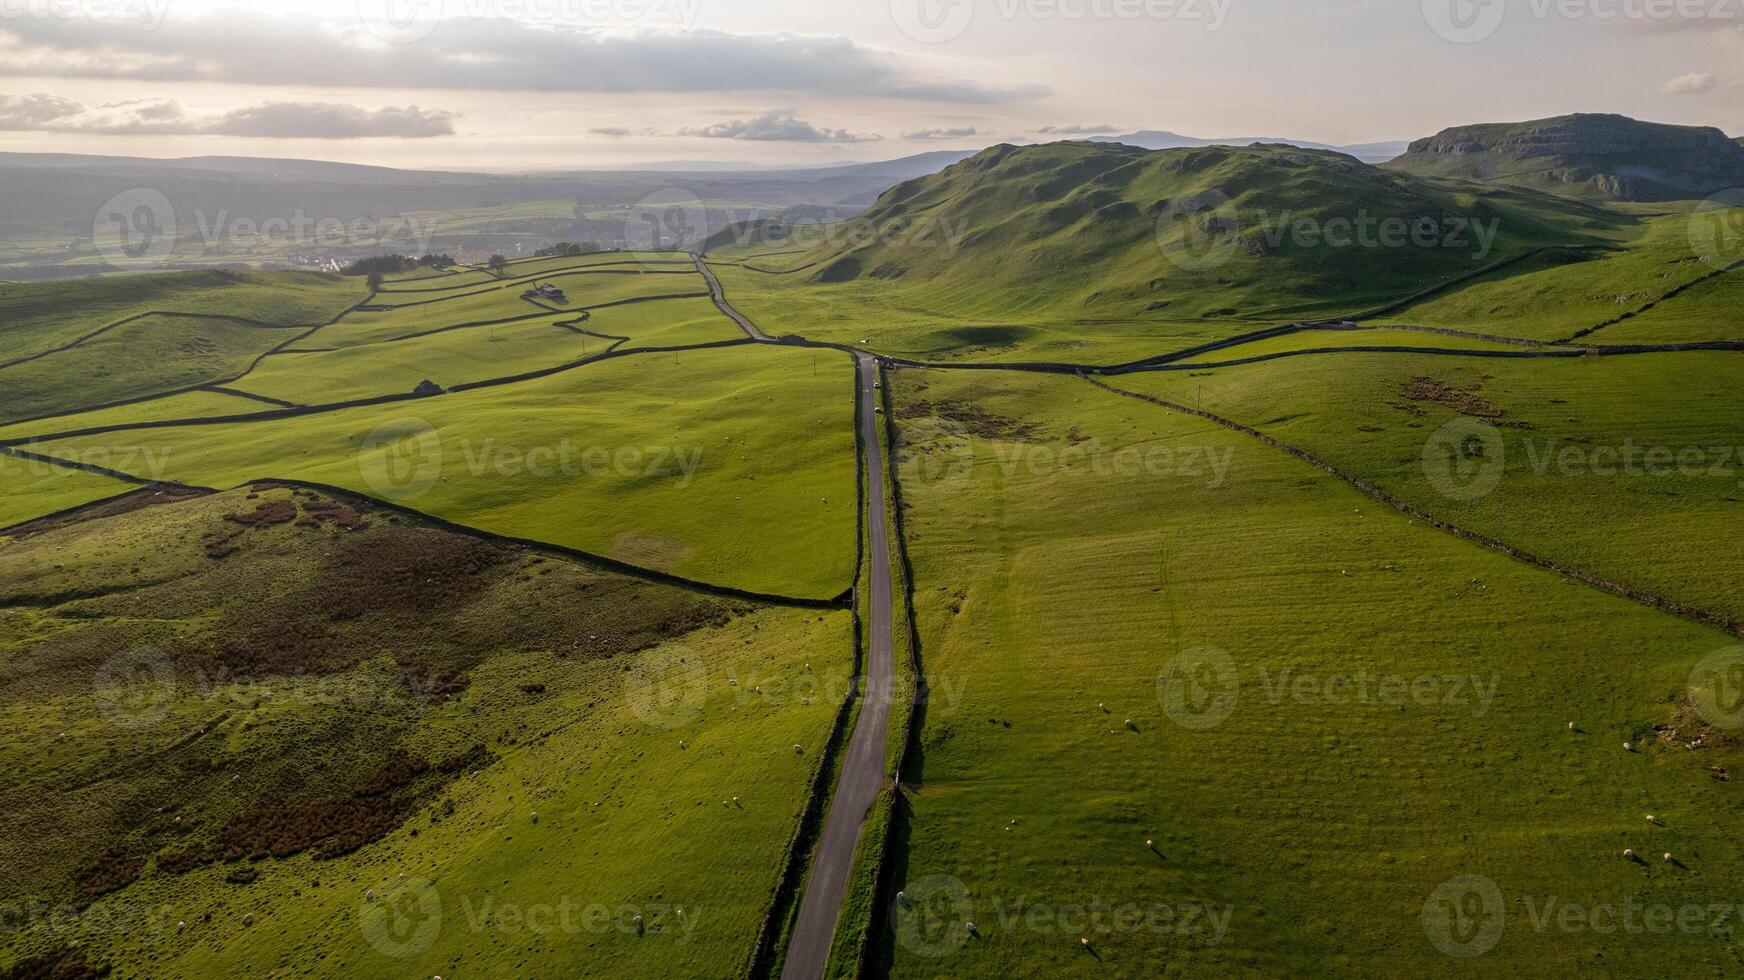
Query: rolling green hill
[
  {"x": 1089, "y": 235},
  {"x": 1593, "y": 155}
]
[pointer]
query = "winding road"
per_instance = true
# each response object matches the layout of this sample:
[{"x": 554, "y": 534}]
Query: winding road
[
  {"x": 863, "y": 766},
  {"x": 721, "y": 303}
]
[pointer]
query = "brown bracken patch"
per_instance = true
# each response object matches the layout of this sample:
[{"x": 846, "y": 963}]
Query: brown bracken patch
[
  {"x": 113, "y": 869},
  {"x": 267, "y": 514}
]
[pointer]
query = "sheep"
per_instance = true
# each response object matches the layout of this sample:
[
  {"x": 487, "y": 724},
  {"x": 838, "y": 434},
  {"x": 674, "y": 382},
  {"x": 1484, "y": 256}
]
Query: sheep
[
  {"x": 799, "y": 750},
  {"x": 1150, "y": 845},
  {"x": 1667, "y": 857},
  {"x": 535, "y": 816},
  {"x": 1652, "y": 819},
  {"x": 902, "y": 899},
  {"x": 1629, "y": 853},
  {"x": 1084, "y": 943},
  {"x": 1628, "y": 747},
  {"x": 1571, "y": 726}
]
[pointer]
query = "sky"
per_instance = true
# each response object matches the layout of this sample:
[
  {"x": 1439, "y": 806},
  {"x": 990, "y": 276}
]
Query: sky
[{"x": 518, "y": 85}]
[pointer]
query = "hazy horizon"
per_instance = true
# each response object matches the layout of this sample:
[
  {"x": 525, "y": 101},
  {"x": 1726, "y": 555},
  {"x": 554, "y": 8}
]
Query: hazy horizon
[{"x": 516, "y": 85}]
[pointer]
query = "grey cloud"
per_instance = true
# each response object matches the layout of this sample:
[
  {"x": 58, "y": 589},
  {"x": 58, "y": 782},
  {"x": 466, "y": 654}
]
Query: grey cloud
[
  {"x": 941, "y": 134},
  {"x": 472, "y": 53},
  {"x": 267, "y": 120},
  {"x": 1079, "y": 130},
  {"x": 777, "y": 125},
  {"x": 612, "y": 131},
  {"x": 30, "y": 112}
]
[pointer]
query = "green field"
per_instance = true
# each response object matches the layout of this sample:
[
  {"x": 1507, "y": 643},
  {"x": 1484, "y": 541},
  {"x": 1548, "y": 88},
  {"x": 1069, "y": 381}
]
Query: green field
[
  {"x": 39, "y": 317},
  {"x": 192, "y": 404},
  {"x": 481, "y": 353},
  {"x": 1564, "y": 486},
  {"x": 155, "y": 354},
  {"x": 594, "y": 743},
  {"x": 500, "y": 304},
  {"x": 667, "y": 461},
  {"x": 33, "y": 489},
  {"x": 1560, "y": 293},
  {"x": 1054, "y": 599}
]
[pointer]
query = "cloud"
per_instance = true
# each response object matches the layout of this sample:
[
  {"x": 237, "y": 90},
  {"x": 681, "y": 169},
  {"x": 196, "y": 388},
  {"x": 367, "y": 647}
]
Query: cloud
[
  {"x": 941, "y": 134},
  {"x": 612, "y": 131},
  {"x": 1079, "y": 130},
  {"x": 31, "y": 112},
  {"x": 1691, "y": 84},
  {"x": 776, "y": 125},
  {"x": 267, "y": 120},
  {"x": 488, "y": 54}
]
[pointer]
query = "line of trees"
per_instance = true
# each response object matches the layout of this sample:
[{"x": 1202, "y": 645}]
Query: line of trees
[{"x": 390, "y": 264}]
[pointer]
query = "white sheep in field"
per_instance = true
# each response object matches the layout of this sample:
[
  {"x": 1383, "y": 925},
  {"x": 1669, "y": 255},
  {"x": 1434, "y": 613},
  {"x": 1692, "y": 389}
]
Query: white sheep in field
[
  {"x": 1667, "y": 856},
  {"x": 1629, "y": 853},
  {"x": 799, "y": 749}
]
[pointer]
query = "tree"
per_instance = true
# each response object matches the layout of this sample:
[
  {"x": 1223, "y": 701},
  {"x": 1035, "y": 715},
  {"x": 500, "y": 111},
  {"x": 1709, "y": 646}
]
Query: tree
[
  {"x": 498, "y": 264},
  {"x": 375, "y": 282}
]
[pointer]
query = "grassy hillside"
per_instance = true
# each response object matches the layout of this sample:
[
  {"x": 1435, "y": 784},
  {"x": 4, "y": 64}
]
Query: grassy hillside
[
  {"x": 1558, "y": 430},
  {"x": 154, "y": 354},
  {"x": 1021, "y": 240},
  {"x": 677, "y": 461},
  {"x": 250, "y": 729},
  {"x": 1559, "y": 293},
  {"x": 36, "y": 317},
  {"x": 1593, "y": 155},
  {"x": 1084, "y": 774}
]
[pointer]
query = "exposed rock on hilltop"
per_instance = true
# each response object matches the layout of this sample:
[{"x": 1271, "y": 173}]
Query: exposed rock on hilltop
[{"x": 1607, "y": 156}]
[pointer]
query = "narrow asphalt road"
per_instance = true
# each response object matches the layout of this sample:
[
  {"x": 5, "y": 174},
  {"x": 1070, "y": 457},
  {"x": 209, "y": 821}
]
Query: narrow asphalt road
[
  {"x": 725, "y": 307},
  {"x": 820, "y": 907}
]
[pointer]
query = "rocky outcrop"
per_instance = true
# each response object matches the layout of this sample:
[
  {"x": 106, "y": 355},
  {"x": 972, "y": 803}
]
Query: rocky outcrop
[{"x": 1605, "y": 156}]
